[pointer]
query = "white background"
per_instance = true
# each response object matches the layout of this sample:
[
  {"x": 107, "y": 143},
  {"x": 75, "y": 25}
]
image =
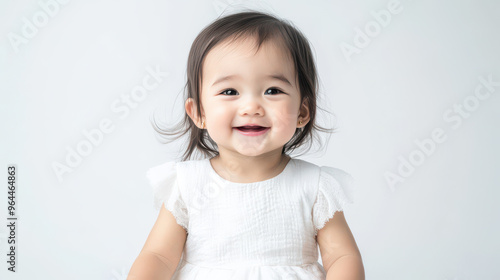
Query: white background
[{"x": 441, "y": 222}]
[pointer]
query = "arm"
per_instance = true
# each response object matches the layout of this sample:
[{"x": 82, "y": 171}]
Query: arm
[
  {"x": 162, "y": 251},
  {"x": 339, "y": 252}
]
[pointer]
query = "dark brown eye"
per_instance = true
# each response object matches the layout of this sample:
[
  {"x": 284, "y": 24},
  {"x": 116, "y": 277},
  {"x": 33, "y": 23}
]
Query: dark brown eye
[
  {"x": 229, "y": 92},
  {"x": 271, "y": 91}
]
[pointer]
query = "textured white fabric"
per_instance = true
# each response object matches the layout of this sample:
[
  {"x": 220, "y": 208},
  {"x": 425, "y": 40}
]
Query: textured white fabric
[
  {"x": 260, "y": 230},
  {"x": 335, "y": 193},
  {"x": 163, "y": 179}
]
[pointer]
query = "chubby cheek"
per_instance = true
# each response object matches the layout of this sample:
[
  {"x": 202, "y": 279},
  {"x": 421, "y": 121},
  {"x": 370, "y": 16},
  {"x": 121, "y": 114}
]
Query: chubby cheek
[
  {"x": 220, "y": 119},
  {"x": 284, "y": 120}
]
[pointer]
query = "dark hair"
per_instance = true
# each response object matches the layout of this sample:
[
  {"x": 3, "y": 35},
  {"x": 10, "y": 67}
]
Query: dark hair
[{"x": 265, "y": 27}]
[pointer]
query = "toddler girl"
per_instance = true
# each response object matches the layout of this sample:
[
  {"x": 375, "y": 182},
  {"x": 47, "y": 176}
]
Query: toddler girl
[{"x": 249, "y": 210}]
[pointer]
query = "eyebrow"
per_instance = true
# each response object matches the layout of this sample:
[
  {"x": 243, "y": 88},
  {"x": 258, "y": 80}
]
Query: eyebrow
[{"x": 279, "y": 77}]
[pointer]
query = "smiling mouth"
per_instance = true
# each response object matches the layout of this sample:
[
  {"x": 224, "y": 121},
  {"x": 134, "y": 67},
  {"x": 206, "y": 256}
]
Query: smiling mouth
[{"x": 251, "y": 128}]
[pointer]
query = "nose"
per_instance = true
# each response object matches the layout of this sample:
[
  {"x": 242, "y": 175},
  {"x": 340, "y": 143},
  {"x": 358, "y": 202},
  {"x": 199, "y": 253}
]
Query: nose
[{"x": 251, "y": 105}]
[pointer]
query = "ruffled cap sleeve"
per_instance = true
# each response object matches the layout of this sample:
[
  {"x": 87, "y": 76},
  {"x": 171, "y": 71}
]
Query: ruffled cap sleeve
[
  {"x": 163, "y": 180},
  {"x": 335, "y": 193}
]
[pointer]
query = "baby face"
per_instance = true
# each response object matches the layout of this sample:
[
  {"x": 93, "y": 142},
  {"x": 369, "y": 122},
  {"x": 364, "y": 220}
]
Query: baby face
[{"x": 240, "y": 88}]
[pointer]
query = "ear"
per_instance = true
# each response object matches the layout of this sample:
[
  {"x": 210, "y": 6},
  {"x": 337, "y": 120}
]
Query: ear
[
  {"x": 192, "y": 112},
  {"x": 304, "y": 115}
]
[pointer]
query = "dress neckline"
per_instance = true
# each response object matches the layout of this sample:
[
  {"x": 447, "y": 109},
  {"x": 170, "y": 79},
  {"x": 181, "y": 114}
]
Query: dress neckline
[{"x": 212, "y": 171}]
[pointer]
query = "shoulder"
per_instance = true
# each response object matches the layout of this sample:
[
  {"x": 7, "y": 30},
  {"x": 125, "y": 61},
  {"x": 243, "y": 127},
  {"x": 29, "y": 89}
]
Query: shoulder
[
  {"x": 186, "y": 170},
  {"x": 337, "y": 181},
  {"x": 325, "y": 172},
  {"x": 304, "y": 175},
  {"x": 171, "y": 170},
  {"x": 172, "y": 166},
  {"x": 304, "y": 168},
  {"x": 322, "y": 175},
  {"x": 162, "y": 179},
  {"x": 330, "y": 173},
  {"x": 172, "y": 181},
  {"x": 303, "y": 163},
  {"x": 193, "y": 163}
]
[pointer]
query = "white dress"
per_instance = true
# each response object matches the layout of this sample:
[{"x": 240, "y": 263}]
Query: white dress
[{"x": 260, "y": 230}]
